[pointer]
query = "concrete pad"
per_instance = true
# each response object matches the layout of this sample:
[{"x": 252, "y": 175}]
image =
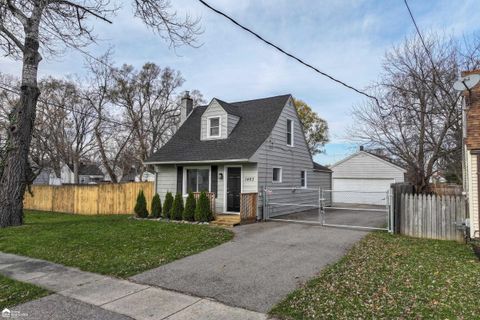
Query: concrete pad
[
  {"x": 103, "y": 291},
  {"x": 30, "y": 269},
  {"x": 65, "y": 279},
  {"x": 211, "y": 310},
  {"x": 57, "y": 307},
  {"x": 151, "y": 304},
  {"x": 263, "y": 263}
]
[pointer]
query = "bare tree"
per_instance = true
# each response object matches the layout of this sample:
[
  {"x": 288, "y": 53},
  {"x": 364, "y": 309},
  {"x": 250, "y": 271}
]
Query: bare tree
[
  {"x": 64, "y": 128},
  {"x": 418, "y": 120},
  {"x": 32, "y": 28},
  {"x": 111, "y": 136},
  {"x": 149, "y": 99}
]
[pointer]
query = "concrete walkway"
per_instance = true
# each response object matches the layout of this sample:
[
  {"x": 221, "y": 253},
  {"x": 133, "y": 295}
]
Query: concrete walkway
[{"x": 84, "y": 295}]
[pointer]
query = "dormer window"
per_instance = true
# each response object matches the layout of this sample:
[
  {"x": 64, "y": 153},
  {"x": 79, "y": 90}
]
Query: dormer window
[
  {"x": 289, "y": 132},
  {"x": 213, "y": 130}
]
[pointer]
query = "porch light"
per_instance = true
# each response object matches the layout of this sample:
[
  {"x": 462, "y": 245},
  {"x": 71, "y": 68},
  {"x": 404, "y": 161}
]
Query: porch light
[{"x": 220, "y": 176}]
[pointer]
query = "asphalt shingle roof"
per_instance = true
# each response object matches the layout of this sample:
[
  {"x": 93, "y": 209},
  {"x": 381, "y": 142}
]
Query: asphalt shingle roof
[
  {"x": 257, "y": 119},
  {"x": 317, "y": 166},
  {"x": 87, "y": 170}
]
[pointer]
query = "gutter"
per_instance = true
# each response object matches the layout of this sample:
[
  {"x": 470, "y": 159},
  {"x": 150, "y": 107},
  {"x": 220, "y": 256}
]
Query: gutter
[{"x": 196, "y": 161}]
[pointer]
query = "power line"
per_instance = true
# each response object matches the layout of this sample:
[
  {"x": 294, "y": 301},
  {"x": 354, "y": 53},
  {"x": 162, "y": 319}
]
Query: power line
[
  {"x": 287, "y": 53},
  {"x": 420, "y": 35}
]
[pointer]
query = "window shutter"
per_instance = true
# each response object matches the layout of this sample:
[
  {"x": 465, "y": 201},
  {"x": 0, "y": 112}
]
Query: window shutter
[
  {"x": 214, "y": 180},
  {"x": 180, "y": 180}
]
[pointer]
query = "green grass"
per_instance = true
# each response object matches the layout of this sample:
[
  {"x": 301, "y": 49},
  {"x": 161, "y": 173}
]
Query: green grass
[
  {"x": 113, "y": 245},
  {"x": 392, "y": 277},
  {"x": 14, "y": 292}
]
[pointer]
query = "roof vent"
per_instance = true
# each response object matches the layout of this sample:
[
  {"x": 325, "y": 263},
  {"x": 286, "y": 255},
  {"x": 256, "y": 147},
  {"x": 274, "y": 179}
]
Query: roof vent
[{"x": 361, "y": 148}]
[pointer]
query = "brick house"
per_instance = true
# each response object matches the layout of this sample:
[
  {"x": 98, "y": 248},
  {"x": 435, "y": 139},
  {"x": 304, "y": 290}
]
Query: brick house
[{"x": 471, "y": 167}]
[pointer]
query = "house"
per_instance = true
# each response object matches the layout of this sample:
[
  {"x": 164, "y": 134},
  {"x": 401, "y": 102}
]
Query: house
[
  {"x": 471, "y": 165},
  {"x": 47, "y": 176},
  {"x": 238, "y": 147},
  {"x": 364, "y": 178},
  {"x": 135, "y": 175},
  {"x": 87, "y": 174}
]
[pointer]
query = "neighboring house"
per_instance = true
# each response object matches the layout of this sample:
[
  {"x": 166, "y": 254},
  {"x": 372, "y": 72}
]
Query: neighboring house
[
  {"x": 47, "y": 176},
  {"x": 471, "y": 166},
  {"x": 87, "y": 174},
  {"x": 238, "y": 147},
  {"x": 134, "y": 176},
  {"x": 364, "y": 178}
]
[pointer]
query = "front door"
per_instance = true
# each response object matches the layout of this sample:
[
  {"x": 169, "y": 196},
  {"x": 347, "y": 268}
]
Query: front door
[{"x": 234, "y": 185}]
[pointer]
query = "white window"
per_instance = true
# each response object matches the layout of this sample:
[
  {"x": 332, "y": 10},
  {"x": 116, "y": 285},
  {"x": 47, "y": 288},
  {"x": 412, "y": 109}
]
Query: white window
[
  {"x": 303, "y": 179},
  {"x": 213, "y": 130},
  {"x": 277, "y": 175},
  {"x": 290, "y": 132},
  {"x": 197, "y": 180}
]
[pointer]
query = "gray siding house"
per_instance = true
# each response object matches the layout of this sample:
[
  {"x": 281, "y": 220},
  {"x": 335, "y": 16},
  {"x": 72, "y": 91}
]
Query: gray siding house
[{"x": 238, "y": 147}]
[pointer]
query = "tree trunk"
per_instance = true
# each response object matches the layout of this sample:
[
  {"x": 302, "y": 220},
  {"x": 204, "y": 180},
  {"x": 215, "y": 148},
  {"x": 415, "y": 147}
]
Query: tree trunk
[{"x": 15, "y": 178}]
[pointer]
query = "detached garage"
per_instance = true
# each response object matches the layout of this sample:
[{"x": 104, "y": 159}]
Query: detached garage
[{"x": 364, "y": 178}]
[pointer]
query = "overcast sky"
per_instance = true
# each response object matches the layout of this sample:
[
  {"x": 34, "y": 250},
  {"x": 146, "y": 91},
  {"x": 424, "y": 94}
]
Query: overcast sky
[{"x": 345, "y": 38}]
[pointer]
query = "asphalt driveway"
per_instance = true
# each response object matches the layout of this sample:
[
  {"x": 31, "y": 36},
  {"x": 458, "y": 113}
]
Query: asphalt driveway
[{"x": 257, "y": 269}]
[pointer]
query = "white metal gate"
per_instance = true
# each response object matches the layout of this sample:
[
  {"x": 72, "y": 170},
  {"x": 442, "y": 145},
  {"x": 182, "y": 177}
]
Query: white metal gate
[{"x": 321, "y": 207}]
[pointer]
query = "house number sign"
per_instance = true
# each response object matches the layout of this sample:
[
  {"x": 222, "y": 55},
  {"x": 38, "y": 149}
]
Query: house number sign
[{"x": 249, "y": 179}]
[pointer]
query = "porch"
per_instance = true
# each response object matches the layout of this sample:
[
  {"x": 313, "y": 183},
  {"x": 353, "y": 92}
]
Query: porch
[{"x": 247, "y": 214}]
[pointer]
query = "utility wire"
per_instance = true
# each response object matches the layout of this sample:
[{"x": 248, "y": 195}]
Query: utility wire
[
  {"x": 421, "y": 36},
  {"x": 287, "y": 53}
]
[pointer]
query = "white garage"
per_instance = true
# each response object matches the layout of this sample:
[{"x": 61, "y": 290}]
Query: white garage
[{"x": 364, "y": 178}]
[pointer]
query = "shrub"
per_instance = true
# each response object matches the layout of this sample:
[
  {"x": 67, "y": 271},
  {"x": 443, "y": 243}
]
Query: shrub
[
  {"x": 156, "y": 211},
  {"x": 203, "y": 213},
  {"x": 177, "y": 208},
  {"x": 141, "y": 206},
  {"x": 167, "y": 205},
  {"x": 190, "y": 204}
]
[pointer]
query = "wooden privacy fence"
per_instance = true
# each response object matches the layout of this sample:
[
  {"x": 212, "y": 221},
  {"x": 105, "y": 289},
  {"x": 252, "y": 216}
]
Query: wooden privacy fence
[
  {"x": 88, "y": 199},
  {"x": 432, "y": 216},
  {"x": 248, "y": 207}
]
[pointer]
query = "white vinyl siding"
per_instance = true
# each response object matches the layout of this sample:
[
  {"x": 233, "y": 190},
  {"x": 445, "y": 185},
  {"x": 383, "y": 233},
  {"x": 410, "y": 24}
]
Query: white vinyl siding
[
  {"x": 363, "y": 165},
  {"x": 166, "y": 180},
  {"x": 472, "y": 185},
  {"x": 227, "y": 122}
]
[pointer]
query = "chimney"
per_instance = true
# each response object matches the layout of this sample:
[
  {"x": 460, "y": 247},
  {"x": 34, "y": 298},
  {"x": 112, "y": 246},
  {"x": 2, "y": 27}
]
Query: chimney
[
  {"x": 186, "y": 107},
  {"x": 361, "y": 148}
]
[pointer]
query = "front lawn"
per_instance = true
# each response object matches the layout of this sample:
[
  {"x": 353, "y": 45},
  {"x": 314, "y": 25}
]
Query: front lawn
[
  {"x": 392, "y": 277},
  {"x": 113, "y": 245},
  {"x": 14, "y": 292}
]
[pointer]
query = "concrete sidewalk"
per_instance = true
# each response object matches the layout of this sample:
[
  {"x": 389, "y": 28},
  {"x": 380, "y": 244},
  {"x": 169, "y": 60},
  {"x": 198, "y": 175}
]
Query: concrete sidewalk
[{"x": 84, "y": 295}]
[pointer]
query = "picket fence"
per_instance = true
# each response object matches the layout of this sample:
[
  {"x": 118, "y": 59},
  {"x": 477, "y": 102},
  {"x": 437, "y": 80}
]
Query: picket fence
[
  {"x": 432, "y": 216},
  {"x": 88, "y": 199}
]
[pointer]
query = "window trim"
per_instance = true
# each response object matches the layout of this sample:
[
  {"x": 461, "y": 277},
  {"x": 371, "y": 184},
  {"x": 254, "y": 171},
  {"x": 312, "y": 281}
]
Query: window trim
[
  {"x": 219, "y": 127},
  {"x": 292, "y": 131},
  {"x": 280, "y": 175},
  {"x": 305, "y": 178},
  {"x": 184, "y": 184}
]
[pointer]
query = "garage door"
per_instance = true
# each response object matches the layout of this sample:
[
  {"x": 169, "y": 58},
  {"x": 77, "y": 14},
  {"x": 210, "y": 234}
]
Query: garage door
[{"x": 360, "y": 191}]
